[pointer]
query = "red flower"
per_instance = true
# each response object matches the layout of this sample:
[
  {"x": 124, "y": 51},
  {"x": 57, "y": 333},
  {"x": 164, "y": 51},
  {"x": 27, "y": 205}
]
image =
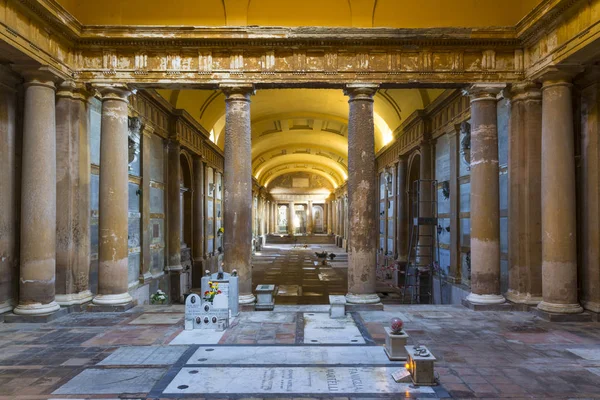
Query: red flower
[
  {"x": 219, "y": 292},
  {"x": 206, "y": 293}
]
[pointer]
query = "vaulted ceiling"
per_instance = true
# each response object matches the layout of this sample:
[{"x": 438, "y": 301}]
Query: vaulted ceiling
[
  {"x": 301, "y": 129},
  {"x": 357, "y": 13}
]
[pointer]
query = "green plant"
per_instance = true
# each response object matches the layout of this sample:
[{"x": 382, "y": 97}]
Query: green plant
[{"x": 159, "y": 297}]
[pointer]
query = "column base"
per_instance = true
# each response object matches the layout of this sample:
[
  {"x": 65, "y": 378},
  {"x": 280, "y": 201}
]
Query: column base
[
  {"x": 506, "y": 306},
  {"x": 175, "y": 267},
  {"x": 362, "y": 298},
  {"x": 556, "y": 317},
  {"x": 560, "y": 308},
  {"x": 36, "y": 319},
  {"x": 592, "y": 306},
  {"x": 112, "y": 299},
  {"x": 74, "y": 298},
  {"x": 7, "y": 306},
  {"x": 36, "y": 309},
  {"x": 485, "y": 299},
  {"x": 523, "y": 298},
  {"x": 246, "y": 299}
]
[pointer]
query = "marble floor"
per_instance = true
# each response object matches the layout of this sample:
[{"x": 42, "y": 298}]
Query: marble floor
[
  {"x": 144, "y": 353},
  {"x": 296, "y": 351}
]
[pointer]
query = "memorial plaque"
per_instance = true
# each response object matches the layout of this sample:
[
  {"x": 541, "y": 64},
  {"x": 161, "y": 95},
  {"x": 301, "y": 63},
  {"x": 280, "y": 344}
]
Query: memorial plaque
[{"x": 193, "y": 308}]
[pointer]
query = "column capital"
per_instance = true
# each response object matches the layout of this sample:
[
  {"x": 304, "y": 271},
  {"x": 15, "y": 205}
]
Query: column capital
[
  {"x": 527, "y": 90},
  {"x": 147, "y": 130},
  {"x": 38, "y": 76},
  {"x": 562, "y": 74},
  {"x": 113, "y": 92},
  {"x": 361, "y": 91},
  {"x": 237, "y": 91},
  {"x": 484, "y": 91},
  {"x": 74, "y": 90}
]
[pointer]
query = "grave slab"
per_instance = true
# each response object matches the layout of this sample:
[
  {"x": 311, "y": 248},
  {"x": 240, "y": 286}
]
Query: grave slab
[
  {"x": 157, "y": 319},
  {"x": 290, "y": 380},
  {"x": 320, "y": 329},
  {"x": 587, "y": 353},
  {"x": 144, "y": 355},
  {"x": 197, "y": 336},
  {"x": 112, "y": 381},
  {"x": 290, "y": 355}
]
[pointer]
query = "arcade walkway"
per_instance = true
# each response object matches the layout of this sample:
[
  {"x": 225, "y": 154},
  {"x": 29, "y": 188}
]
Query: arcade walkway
[{"x": 143, "y": 354}]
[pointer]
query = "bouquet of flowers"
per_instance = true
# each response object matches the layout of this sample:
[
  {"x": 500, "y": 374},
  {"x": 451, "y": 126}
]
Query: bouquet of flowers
[
  {"x": 213, "y": 290},
  {"x": 159, "y": 297}
]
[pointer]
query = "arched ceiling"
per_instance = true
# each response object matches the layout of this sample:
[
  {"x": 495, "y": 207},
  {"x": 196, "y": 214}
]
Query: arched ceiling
[
  {"x": 341, "y": 13},
  {"x": 301, "y": 129}
]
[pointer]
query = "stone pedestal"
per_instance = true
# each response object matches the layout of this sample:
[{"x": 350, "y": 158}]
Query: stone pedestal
[
  {"x": 38, "y": 197},
  {"x": 485, "y": 194},
  {"x": 395, "y": 345},
  {"x": 559, "y": 220},
  {"x": 421, "y": 366},
  {"x": 362, "y": 218},
  {"x": 73, "y": 195},
  {"x": 113, "y": 215},
  {"x": 264, "y": 301},
  {"x": 237, "y": 205},
  {"x": 337, "y": 306}
]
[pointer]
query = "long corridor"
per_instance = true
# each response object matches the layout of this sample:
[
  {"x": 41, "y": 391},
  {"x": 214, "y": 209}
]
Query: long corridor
[{"x": 299, "y": 275}]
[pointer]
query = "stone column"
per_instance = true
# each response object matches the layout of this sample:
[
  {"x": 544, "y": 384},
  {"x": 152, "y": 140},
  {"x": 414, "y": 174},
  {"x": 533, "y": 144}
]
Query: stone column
[
  {"x": 309, "y": 218},
  {"x": 238, "y": 187},
  {"x": 455, "y": 268},
  {"x": 38, "y": 197},
  {"x": 402, "y": 214},
  {"x": 198, "y": 212},
  {"x": 424, "y": 251},
  {"x": 362, "y": 216},
  {"x": 114, "y": 181},
  {"x": 147, "y": 226},
  {"x": 524, "y": 194},
  {"x": 174, "y": 206},
  {"x": 485, "y": 194},
  {"x": 559, "y": 223},
  {"x": 590, "y": 189},
  {"x": 329, "y": 217},
  {"x": 292, "y": 214},
  {"x": 73, "y": 195}
]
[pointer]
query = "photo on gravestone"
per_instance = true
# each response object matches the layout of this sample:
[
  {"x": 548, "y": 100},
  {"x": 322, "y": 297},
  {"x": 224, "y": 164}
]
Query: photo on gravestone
[{"x": 193, "y": 308}]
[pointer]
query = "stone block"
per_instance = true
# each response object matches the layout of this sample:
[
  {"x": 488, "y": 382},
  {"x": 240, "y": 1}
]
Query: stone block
[
  {"x": 554, "y": 317},
  {"x": 395, "y": 345},
  {"x": 364, "y": 307},
  {"x": 264, "y": 298},
  {"x": 110, "y": 308},
  {"x": 490, "y": 307},
  {"x": 421, "y": 364},
  {"x": 337, "y": 307},
  {"x": 36, "y": 319}
]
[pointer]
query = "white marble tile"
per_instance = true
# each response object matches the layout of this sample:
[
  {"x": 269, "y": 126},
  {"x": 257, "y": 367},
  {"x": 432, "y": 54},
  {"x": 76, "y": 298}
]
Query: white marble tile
[
  {"x": 197, "y": 336},
  {"x": 319, "y": 328},
  {"x": 144, "y": 355},
  {"x": 317, "y": 308},
  {"x": 266, "y": 316},
  {"x": 594, "y": 371},
  {"x": 157, "y": 319},
  {"x": 112, "y": 381},
  {"x": 290, "y": 380},
  {"x": 290, "y": 355},
  {"x": 592, "y": 354}
]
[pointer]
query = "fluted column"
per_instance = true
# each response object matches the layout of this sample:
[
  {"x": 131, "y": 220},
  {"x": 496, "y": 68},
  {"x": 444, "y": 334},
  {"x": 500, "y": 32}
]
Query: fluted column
[
  {"x": 238, "y": 187},
  {"x": 559, "y": 222},
  {"x": 362, "y": 216},
  {"x": 38, "y": 197},
  {"x": 73, "y": 195},
  {"x": 524, "y": 194},
  {"x": 113, "y": 219},
  {"x": 485, "y": 194}
]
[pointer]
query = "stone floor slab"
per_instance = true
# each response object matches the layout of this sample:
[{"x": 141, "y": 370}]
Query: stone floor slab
[
  {"x": 291, "y": 355},
  {"x": 157, "y": 319},
  {"x": 320, "y": 329},
  {"x": 112, "y": 381},
  {"x": 144, "y": 355},
  {"x": 197, "y": 336},
  {"x": 289, "y": 381}
]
